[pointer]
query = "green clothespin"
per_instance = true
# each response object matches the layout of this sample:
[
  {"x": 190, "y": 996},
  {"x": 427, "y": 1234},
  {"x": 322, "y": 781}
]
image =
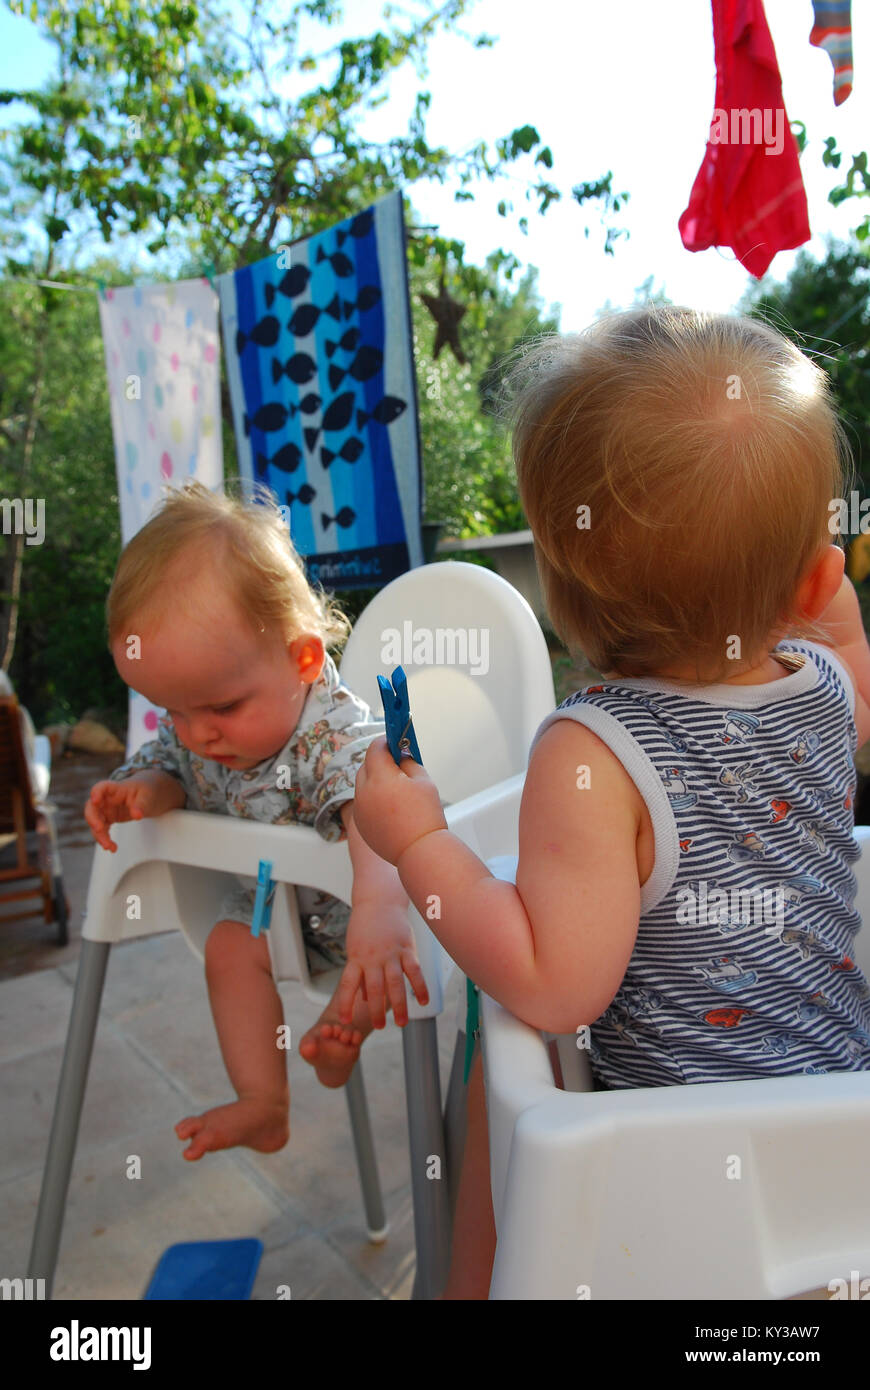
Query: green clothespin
[
  {"x": 209, "y": 273},
  {"x": 101, "y": 286},
  {"x": 472, "y": 1025}
]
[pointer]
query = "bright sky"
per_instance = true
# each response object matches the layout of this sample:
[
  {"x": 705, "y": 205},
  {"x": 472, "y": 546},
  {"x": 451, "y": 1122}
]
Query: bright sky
[{"x": 627, "y": 86}]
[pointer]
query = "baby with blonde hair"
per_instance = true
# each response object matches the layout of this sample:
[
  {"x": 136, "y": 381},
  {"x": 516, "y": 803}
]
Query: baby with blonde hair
[
  {"x": 684, "y": 889},
  {"x": 211, "y": 618}
]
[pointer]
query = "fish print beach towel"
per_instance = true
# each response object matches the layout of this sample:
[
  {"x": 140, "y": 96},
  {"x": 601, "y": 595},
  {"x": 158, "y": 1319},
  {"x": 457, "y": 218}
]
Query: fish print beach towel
[{"x": 317, "y": 342}]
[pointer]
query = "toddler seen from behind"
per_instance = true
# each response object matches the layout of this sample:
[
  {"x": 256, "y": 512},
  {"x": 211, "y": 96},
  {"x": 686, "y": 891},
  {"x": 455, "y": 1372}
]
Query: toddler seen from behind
[{"x": 684, "y": 887}]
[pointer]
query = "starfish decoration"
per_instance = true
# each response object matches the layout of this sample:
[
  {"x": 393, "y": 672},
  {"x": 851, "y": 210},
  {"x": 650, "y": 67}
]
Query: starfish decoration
[{"x": 447, "y": 314}]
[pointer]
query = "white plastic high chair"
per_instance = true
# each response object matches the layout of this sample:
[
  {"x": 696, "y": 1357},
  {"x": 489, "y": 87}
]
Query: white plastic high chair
[
  {"x": 731, "y": 1190},
  {"x": 473, "y": 729}
]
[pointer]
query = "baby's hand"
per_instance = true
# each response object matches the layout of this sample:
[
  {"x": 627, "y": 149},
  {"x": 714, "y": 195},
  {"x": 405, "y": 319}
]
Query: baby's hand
[
  {"x": 380, "y": 952},
  {"x": 394, "y": 806},
  {"x": 111, "y": 802}
]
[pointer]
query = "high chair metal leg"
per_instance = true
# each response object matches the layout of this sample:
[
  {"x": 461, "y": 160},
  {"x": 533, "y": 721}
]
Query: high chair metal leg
[
  {"x": 426, "y": 1137},
  {"x": 363, "y": 1143},
  {"x": 67, "y": 1111}
]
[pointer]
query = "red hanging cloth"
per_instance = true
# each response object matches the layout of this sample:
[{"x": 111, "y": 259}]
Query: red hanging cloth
[{"x": 748, "y": 193}]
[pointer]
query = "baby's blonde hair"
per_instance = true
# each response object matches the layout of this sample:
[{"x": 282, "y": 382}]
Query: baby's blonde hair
[
  {"x": 250, "y": 551},
  {"x": 707, "y": 449}
]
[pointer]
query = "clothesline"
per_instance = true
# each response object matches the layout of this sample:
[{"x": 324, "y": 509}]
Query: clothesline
[
  {"x": 93, "y": 286},
  {"x": 58, "y": 285},
  {"x": 50, "y": 284}
]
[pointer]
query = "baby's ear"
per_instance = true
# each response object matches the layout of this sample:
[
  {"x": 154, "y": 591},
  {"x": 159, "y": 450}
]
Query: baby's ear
[{"x": 309, "y": 655}]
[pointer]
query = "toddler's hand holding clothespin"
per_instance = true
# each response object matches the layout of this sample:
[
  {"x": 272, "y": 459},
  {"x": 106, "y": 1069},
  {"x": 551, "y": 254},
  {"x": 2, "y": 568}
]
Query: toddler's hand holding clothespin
[{"x": 395, "y": 801}]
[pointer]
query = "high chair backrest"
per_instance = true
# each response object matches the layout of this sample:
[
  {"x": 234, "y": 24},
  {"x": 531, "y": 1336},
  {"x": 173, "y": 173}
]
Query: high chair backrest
[
  {"x": 478, "y": 668},
  {"x": 474, "y": 729}
]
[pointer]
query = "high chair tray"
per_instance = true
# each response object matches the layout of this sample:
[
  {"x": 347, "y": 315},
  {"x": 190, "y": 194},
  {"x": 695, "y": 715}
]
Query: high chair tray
[{"x": 206, "y": 1269}]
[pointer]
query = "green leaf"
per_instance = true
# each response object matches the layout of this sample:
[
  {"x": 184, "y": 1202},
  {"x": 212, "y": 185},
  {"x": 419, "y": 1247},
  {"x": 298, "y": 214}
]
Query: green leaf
[
  {"x": 524, "y": 138},
  {"x": 56, "y": 227}
]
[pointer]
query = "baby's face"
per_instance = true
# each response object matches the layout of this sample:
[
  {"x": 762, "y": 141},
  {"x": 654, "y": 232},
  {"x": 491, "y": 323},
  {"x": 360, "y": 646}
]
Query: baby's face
[{"x": 235, "y": 697}]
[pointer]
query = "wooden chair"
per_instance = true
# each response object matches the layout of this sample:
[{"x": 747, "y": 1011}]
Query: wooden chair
[{"x": 23, "y": 815}]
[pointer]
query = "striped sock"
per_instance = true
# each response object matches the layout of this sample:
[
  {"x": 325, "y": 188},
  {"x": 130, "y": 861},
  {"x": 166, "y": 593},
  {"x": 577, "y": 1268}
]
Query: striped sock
[{"x": 832, "y": 31}]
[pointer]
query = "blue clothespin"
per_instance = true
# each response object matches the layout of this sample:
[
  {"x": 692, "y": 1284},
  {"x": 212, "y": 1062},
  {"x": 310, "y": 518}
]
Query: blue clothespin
[
  {"x": 397, "y": 716},
  {"x": 264, "y": 898}
]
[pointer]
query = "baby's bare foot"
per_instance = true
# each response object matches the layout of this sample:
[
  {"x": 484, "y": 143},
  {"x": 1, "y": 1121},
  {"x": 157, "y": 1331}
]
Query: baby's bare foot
[
  {"x": 332, "y": 1049},
  {"x": 256, "y": 1122}
]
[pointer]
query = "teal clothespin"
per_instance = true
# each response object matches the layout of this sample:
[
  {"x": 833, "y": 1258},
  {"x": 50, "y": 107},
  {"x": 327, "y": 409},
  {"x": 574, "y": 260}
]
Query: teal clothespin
[
  {"x": 101, "y": 286},
  {"x": 209, "y": 273},
  {"x": 472, "y": 1025},
  {"x": 397, "y": 716},
  {"x": 264, "y": 898}
]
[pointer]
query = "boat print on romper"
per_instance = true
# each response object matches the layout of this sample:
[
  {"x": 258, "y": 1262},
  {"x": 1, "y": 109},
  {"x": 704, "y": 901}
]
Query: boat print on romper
[
  {"x": 348, "y": 342},
  {"x": 264, "y": 334},
  {"x": 364, "y": 366},
  {"x": 678, "y": 793},
  {"x": 306, "y": 316},
  {"x": 726, "y": 974},
  {"x": 346, "y": 517},
  {"x": 291, "y": 286},
  {"x": 350, "y": 451},
  {"x": 299, "y": 368},
  {"x": 274, "y": 416},
  {"x": 305, "y": 495},
  {"x": 341, "y": 264},
  {"x": 366, "y": 299}
]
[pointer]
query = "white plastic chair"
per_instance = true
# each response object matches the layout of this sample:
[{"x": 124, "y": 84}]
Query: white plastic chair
[
  {"x": 472, "y": 729},
  {"x": 636, "y": 1194}
]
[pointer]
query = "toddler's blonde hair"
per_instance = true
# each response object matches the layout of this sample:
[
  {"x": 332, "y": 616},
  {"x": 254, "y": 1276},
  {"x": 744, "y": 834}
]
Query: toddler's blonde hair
[
  {"x": 248, "y": 548},
  {"x": 707, "y": 449}
]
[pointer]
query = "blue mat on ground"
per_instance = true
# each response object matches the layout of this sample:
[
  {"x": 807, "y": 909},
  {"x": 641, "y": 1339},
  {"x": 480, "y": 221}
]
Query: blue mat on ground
[{"x": 206, "y": 1269}]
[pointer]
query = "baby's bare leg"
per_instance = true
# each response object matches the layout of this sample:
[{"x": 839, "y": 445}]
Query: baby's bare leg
[
  {"x": 247, "y": 1013},
  {"x": 473, "y": 1248}
]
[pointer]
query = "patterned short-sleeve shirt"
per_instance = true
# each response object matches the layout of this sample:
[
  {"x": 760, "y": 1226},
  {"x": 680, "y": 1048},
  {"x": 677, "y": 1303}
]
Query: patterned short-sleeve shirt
[{"x": 305, "y": 783}]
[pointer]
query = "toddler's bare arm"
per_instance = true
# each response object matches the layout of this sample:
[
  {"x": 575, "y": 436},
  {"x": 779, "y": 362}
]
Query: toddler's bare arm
[
  {"x": 147, "y": 793},
  {"x": 843, "y": 620},
  {"x": 167, "y": 793}
]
